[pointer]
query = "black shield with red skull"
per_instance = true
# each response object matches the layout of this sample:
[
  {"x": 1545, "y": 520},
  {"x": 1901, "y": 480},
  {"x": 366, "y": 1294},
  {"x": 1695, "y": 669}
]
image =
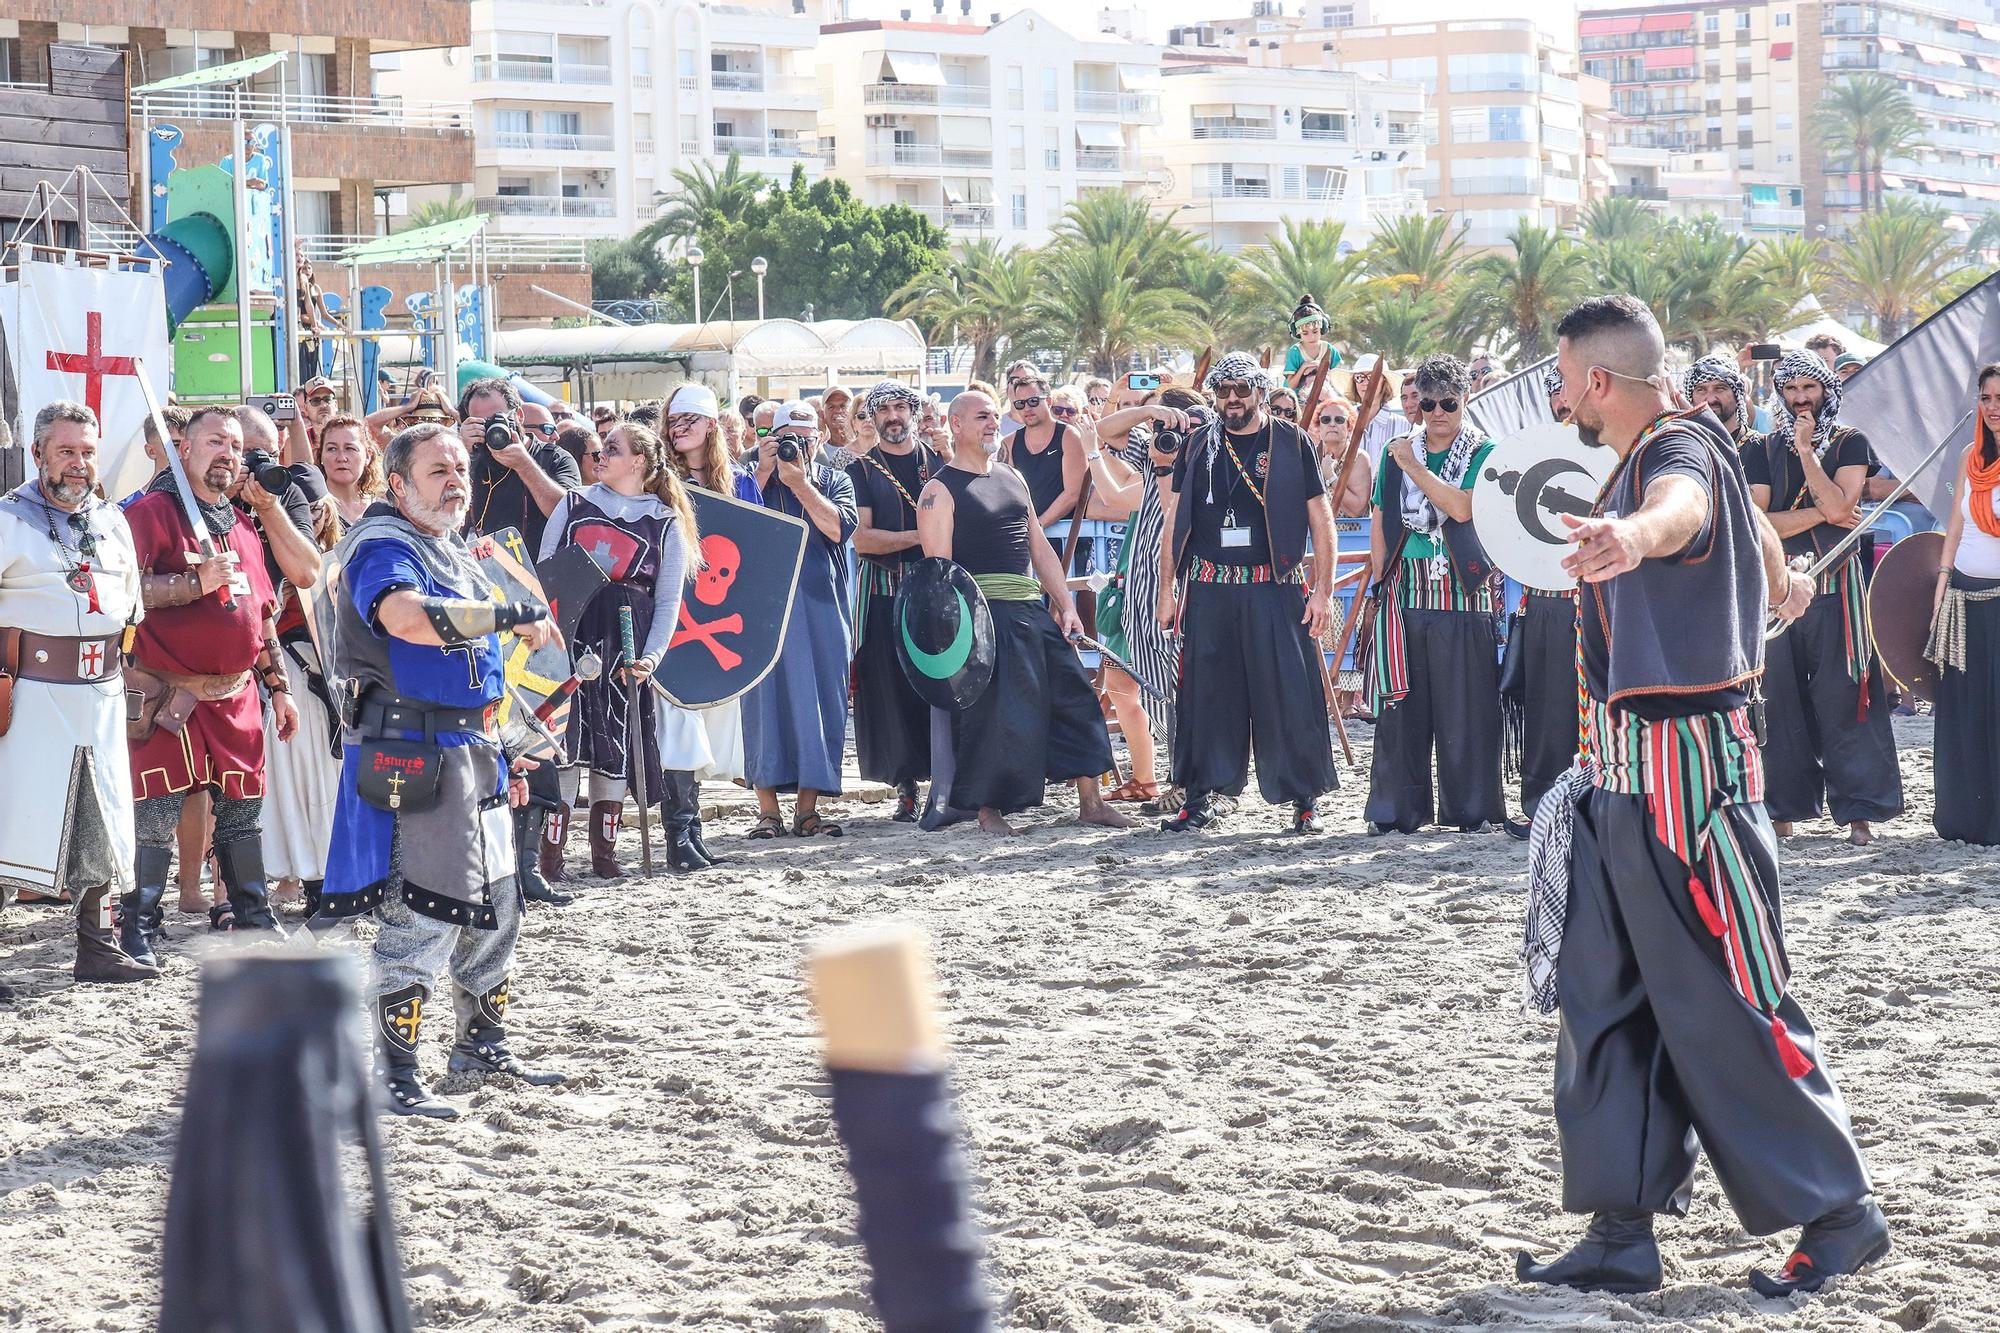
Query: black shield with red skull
[{"x": 736, "y": 606}]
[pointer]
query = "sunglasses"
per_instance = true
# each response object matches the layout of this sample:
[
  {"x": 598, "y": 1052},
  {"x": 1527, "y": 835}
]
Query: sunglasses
[
  {"x": 762, "y": 431},
  {"x": 1227, "y": 389},
  {"x": 86, "y": 541},
  {"x": 1064, "y": 412},
  {"x": 1434, "y": 404},
  {"x": 547, "y": 428},
  {"x": 1333, "y": 421},
  {"x": 1288, "y": 413},
  {"x": 1035, "y": 401},
  {"x": 319, "y": 399},
  {"x": 1097, "y": 401},
  {"x": 593, "y": 454}
]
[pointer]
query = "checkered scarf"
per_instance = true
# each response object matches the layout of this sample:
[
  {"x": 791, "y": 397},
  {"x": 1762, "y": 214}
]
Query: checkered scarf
[
  {"x": 891, "y": 391},
  {"x": 1419, "y": 513},
  {"x": 1552, "y": 380},
  {"x": 1237, "y": 366},
  {"x": 1717, "y": 369},
  {"x": 1808, "y": 366}
]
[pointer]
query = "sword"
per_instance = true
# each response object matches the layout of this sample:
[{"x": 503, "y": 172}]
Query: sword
[
  {"x": 635, "y": 727},
  {"x": 1774, "y": 626},
  {"x": 204, "y": 542},
  {"x": 1113, "y": 659}
]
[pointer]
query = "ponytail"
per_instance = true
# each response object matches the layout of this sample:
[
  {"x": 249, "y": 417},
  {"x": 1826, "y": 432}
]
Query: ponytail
[{"x": 663, "y": 482}]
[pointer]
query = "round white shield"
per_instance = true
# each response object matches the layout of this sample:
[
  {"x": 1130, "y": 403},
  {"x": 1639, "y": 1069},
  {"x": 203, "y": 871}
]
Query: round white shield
[{"x": 1524, "y": 487}]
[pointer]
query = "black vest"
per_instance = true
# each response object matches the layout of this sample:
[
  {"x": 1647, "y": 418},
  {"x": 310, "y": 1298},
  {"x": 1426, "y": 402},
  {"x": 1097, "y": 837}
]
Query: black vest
[{"x": 1284, "y": 498}]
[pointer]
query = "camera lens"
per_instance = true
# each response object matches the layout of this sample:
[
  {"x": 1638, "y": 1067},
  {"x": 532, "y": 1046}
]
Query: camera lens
[
  {"x": 788, "y": 451},
  {"x": 498, "y": 434}
]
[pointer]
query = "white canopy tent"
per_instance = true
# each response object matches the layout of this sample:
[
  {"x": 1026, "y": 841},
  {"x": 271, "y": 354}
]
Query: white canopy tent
[{"x": 1809, "y": 319}]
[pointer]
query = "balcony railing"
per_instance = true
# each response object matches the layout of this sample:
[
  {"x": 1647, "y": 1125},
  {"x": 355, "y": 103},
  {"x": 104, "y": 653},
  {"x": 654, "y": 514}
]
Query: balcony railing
[
  {"x": 546, "y": 206},
  {"x": 1769, "y": 215},
  {"x": 325, "y": 248},
  {"x": 392, "y": 113},
  {"x": 1093, "y": 102},
  {"x": 1234, "y": 190},
  {"x": 928, "y": 155},
  {"x": 965, "y": 217},
  {"x": 519, "y": 70},
  {"x": 1406, "y": 134},
  {"x": 757, "y": 81},
  {"x": 927, "y": 94},
  {"x": 753, "y": 145},
  {"x": 1235, "y": 132},
  {"x": 1652, "y": 193},
  {"x": 552, "y": 143},
  {"x": 1113, "y": 159},
  {"x": 1337, "y": 135}
]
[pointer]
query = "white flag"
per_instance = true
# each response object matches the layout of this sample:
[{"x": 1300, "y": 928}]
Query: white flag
[
  {"x": 1514, "y": 404},
  {"x": 82, "y": 334}
]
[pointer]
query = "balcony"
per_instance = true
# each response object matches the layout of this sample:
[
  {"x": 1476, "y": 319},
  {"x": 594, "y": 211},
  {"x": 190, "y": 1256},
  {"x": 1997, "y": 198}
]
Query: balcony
[
  {"x": 1234, "y": 131},
  {"x": 517, "y": 69},
  {"x": 499, "y": 248},
  {"x": 923, "y": 94},
  {"x": 956, "y": 217},
  {"x": 387, "y": 113},
  {"x": 1234, "y": 190},
  {"x": 757, "y": 81},
  {"x": 752, "y": 145},
  {"x": 928, "y": 155},
  {"x": 551, "y": 143},
  {"x": 1655, "y": 194},
  {"x": 1406, "y": 134},
  {"x": 1124, "y": 161},
  {"x": 1092, "y": 102},
  {"x": 1326, "y": 135},
  {"x": 1775, "y": 218},
  {"x": 545, "y": 206}
]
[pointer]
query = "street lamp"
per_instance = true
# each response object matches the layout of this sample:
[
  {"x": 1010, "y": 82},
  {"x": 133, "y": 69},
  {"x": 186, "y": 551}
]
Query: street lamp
[
  {"x": 760, "y": 266},
  {"x": 694, "y": 258}
]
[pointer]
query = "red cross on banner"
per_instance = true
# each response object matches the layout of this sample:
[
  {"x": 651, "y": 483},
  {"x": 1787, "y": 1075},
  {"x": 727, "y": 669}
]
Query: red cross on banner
[{"x": 92, "y": 364}]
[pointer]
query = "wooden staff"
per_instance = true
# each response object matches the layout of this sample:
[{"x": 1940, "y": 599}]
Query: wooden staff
[
  {"x": 635, "y": 739},
  {"x": 1364, "y": 417}
]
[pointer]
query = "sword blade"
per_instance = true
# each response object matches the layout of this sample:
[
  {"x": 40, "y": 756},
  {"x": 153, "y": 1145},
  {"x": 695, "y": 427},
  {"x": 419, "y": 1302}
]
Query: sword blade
[
  {"x": 1113, "y": 659},
  {"x": 182, "y": 489}
]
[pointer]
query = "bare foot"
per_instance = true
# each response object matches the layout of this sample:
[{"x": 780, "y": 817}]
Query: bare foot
[
  {"x": 192, "y": 900},
  {"x": 1782, "y": 829},
  {"x": 991, "y": 822},
  {"x": 1104, "y": 815},
  {"x": 1859, "y": 834}
]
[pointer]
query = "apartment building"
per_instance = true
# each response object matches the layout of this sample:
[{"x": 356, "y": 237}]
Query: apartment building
[
  {"x": 586, "y": 108},
  {"x": 1946, "y": 57},
  {"x": 989, "y": 130},
  {"x": 1248, "y": 144}
]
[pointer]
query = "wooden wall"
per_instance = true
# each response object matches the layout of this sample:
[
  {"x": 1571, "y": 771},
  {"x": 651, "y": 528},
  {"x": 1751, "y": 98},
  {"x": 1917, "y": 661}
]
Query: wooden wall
[{"x": 78, "y": 120}]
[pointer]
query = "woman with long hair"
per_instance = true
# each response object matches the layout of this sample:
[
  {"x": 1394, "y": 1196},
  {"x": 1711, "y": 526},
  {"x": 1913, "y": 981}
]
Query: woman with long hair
[
  {"x": 638, "y": 515},
  {"x": 351, "y": 461},
  {"x": 1965, "y": 638},
  {"x": 302, "y": 775}
]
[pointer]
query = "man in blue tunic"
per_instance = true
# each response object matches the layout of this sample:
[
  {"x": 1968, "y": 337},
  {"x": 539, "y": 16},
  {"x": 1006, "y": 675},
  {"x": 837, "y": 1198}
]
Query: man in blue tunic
[{"x": 422, "y": 834}]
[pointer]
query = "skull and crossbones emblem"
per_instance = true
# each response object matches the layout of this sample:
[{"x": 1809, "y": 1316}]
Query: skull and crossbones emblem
[{"x": 720, "y": 562}]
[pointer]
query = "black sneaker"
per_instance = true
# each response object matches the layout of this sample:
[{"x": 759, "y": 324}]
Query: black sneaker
[
  {"x": 1305, "y": 819},
  {"x": 1197, "y": 811},
  {"x": 906, "y": 804}
]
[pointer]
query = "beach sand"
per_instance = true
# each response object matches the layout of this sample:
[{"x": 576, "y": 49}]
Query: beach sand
[{"x": 1212, "y": 1082}]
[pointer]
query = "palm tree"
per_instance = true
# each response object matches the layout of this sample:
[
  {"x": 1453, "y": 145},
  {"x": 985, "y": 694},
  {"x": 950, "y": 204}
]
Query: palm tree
[
  {"x": 702, "y": 197},
  {"x": 1114, "y": 221},
  {"x": 983, "y": 298},
  {"x": 1401, "y": 327},
  {"x": 1091, "y": 298},
  {"x": 1898, "y": 264},
  {"x": 1864, "y": 121},
  {"x": 433, "y": 211},
  {"x": 1794, "y": 265},
  {"x": 1303, "y": 257},
  {"x": 1212, "y": 280},
  {"x": 1984, "y": 237},
  {"x": 1421, "y": 250},
  {"x": 1619, "y": 217},
  {"x": 1526, "y": 293}
]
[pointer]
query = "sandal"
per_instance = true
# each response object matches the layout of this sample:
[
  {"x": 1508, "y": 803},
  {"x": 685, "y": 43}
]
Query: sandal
[
  {"x": 810, "y": 825},
  {"x": 769, "y": 826},
  {"x": 222, "y": 917},
  {"x": 1134, "y": 790}
]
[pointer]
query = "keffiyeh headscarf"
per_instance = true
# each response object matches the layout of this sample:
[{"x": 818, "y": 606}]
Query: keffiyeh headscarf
[
  {"x": 1552, "y": 380},
  {"x": 1808, "y": 366},
  {"x": 891, "y": 391},
  {"x": 1718, "y": 369},
  {"x": 1236, "y": 366}
]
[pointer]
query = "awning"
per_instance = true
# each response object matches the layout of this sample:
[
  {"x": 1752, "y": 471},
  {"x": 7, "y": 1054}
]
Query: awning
[
  {"x": 913, "y": 67},
  {"x": 954, "y": 193},
  {"x": 1891, "y": 182},
  {"x": 1666, "y": 22},
  {"x": 416, "y": 246},
  {"x": 1984, "y": 191},
  {"x": 1937, "y": 55},
  {"x": 1781, "y": 50},
  {"x": 1990, "y": 31},
  {"x": 1991, "y": 64},
  {"x": 1890, "y": 44},
  {"x": 1245, "y": 112},
  {"x": 1091, "y": 134},
  {"x": 1671, "y": 57},
  {"x": 1952, "y": 188},
  {"x": 1957, "y": 90},
  {"x": 233, "y": 72},
  {"x": 965, "y": 131},
  {"x": 1138, "y": 78},
  {"x": 1613, "y": 27}
]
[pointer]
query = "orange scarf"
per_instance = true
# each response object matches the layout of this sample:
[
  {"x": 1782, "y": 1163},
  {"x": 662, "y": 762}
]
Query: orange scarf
[{"x": 1982, "y": 479}]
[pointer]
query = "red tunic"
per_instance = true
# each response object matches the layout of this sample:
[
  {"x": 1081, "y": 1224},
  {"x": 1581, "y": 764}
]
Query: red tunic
[{"x": 223, "y": 743}]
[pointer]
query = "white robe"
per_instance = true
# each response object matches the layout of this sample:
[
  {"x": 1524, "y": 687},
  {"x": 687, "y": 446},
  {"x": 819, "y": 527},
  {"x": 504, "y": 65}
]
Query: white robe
[
  {"x": 67, "y": 742},
  {"x": 301, "y": 785}
]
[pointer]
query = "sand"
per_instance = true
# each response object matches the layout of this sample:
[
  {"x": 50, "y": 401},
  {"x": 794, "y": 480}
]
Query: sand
[{"x": 1220, "y": 1082}]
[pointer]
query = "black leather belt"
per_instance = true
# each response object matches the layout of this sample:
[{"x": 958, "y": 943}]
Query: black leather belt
[{"x": 379, "y": 716}]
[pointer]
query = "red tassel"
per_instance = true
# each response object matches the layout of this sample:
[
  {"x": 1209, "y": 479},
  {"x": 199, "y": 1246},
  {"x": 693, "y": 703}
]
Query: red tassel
[
  {"x": 1702, "y": 904},
  {"x": 1795, "y": 1062},
  {"x": 1861, "y": 704}
]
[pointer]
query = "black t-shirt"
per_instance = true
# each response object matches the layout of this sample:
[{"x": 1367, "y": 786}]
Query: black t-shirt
[
  {"x": 890, "y": 509},
  {"x": 1042, "y": 471},
  {"x": 1676, "y": 454},
  {"x": 1771, "y": 461},
  {"x": 500, "y": 499},
  {"x": 1234, "y": 504},
  {"x": 990, "y": 520}
]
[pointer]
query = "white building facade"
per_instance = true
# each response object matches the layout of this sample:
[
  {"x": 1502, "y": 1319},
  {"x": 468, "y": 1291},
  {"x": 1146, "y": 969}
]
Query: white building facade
[
  {"x": 989, "y": 131},
  {"x": 1248, "y": 144}
]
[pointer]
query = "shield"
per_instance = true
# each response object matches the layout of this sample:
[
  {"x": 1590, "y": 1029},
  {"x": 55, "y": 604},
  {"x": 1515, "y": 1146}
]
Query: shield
[
  {"x": 944, "y": 634},
  {"x": 1527, "y": 483},
  {"x": 734, "y": 613},
  {"x": 571, "y": 578},
  {"x": 1899, "y": 611},
  {"x": 534, "y": 676}
]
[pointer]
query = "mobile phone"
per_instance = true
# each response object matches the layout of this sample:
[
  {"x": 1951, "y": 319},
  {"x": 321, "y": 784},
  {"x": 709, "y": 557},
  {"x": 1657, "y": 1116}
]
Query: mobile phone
[
  {"x": 280, "y": 407},
  {"x": 1766, "y": 352},
  {"x": 1142, "y": 380}
]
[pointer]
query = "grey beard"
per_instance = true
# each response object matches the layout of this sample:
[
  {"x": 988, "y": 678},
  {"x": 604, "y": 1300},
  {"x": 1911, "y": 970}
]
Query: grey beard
[
  {"x": 992, "y": 447},
  {"x": 432, "y": 519},
  {"x": 893, "y": 433},
  {"x": 65, "y": 493}
]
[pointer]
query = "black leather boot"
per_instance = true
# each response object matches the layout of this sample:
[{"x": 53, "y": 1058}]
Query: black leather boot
[
  {"x": 694, "y": 822},
  {"x": 1198, "y": 811},
  {"x": 906, "y": 803},
  {"x": 98, "y": 957},
  {"x": 399, "y": 1017},
  {"x": 142, "y": 921},
  {"x": 528, "y": 858},
  {"x": 241, "y": 862},
  {"x": 1843, "y": 1241},
  {"x": 482, "y": 1039},
  {"x": 1617, "y": 1254},
  {"x": 677, "y": 805}
]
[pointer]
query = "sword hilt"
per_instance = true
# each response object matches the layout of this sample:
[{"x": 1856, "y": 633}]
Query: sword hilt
[{"x": 627, "y": 641}]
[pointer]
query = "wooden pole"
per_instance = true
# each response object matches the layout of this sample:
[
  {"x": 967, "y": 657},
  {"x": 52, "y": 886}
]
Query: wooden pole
[{"x": 873, "y": 996}]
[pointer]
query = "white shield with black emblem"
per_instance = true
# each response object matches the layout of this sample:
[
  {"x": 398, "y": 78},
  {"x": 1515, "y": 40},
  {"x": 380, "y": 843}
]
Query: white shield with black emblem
[{"x": 1529, "y": 481}]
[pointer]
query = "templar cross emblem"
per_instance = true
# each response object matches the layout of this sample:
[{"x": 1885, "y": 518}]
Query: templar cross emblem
[{"x": 90, "y": 660}]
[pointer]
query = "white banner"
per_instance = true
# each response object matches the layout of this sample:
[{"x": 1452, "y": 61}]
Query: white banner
[
  {"x": 81, "y": 333},
  {"x": 1514, "y": 404}
]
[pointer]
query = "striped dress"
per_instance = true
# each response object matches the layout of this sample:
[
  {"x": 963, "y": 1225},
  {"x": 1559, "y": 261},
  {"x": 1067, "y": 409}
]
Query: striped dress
[{"x": 1155, "y": 655}]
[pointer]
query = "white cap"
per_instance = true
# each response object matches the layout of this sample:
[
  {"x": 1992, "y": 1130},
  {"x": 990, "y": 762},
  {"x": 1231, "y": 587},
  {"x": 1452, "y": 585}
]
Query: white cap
[
  {"x": 1364, "y": 364},
  {"x": 696, "y": 398},
  {"x": 795, "y": 413}
]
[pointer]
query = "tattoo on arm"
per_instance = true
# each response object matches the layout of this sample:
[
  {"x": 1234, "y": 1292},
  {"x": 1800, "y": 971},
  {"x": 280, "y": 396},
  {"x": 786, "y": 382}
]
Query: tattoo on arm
[{"x": 928, "y": 502}]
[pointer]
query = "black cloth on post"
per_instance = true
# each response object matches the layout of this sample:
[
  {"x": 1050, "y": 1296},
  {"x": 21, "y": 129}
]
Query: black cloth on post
[
  {"x": 1817, "y": 748},
  {"x": 1548, "y": 742},
  {"x": 892, "y": 725},
  {"x": 1250, "y": 677},
  {"x": 1453, "y": 707},
  {"x": 1037, "y": 723},
  {"x": 1659, "y": 1057},
  {"x": 1967, "y": 740}
]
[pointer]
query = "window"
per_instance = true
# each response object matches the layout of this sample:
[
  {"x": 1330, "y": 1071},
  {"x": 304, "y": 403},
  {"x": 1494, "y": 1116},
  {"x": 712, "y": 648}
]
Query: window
[
  {"x": 1420, "y": 70},
  {"x": 1782, "y": 21},
  {"x": 1017, "y": 148},
  {"x": 512, "y": 125},
  {"x": 1050, "y": 98},
  {"x": 642, "y": 62},
  {"x": 1496, "y": 175},
  {"x": 1743, "y": 21},
  {"x": 1712, "y": 23},
  {"x": 1052, "y": 148},
  {"x": 1336, "y": 16},
  {"x": 1052, "y": 203},
  {"x": 1784, "y": 120},
  {"x": 1020, "y": 211},
  {"x": 1489, "y": 124},
  {"x": 1014, "y": 88},
  {"x": 1496, "y": 71}
]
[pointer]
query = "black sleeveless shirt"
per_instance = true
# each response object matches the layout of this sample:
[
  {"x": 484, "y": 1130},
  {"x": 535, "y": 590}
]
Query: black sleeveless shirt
[
  {"x": 990, "y": 518},
  {"x": 1042, "y": 471}
]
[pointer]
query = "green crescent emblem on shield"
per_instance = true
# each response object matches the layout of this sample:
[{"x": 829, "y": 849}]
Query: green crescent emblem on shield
[{"x": 944, "y": 665}]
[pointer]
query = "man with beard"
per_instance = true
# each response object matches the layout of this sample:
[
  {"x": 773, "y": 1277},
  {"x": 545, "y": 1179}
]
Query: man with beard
[
  {"x": 422, "y": 832},
  {"x": 1433, "y": 681},
  {"x": 1653, "y": 899},
  {"x": 891, "y": 723},
  {"x": 1547, "y": 702},
  {"x": 1825, "y": 705},
  {"x": 69, "y": 587},
  {"x": 1247, "y": 494},
  {"x": 207, "y": 656},
  {"x": 1038, "y": 720},
  {"x": 1552, "y": 389},
  {"x": 1715, "y": 383}
]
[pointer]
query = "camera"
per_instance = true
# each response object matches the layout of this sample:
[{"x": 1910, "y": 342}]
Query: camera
[
  {"x": 1170, "y": 441},
  {"x": 280, "y": 407},
  {"x": 1142, "y": 381},
  {"x": 788, "y": 449},
  {"x": 502, "y": 430},
  {"x": 268, "y": 471}
]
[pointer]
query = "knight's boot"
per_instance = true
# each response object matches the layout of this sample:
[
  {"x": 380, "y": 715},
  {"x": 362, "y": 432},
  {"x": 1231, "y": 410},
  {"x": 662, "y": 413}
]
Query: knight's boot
[
  {"x": 694, "y": 824},
  {"x": 241, "y": 862},
  {"x": 604, "y": 839},
  {"x": 527, "y": 858},
  {"x": 555, "y": 840},
  {"x": 677, "y": 815},
  {"x": 399, "y": 1017},
  {"x": 141, "y": 919},
  {"x": 1617, "y": 1254},
  {"x": 482, "y": 1039},
  {"x": 98, "y": 957},
  {"x": 1843, "y": 1241}
]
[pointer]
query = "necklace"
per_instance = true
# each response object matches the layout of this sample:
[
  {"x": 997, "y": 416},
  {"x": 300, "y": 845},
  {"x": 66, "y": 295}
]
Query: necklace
[
  {"x": 923, "y": 475},
  {"x": 76, "y": 575}
]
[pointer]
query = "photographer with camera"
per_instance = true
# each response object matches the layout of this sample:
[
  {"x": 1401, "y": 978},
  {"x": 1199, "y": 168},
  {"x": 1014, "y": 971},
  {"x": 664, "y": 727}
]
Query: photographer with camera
[
  {"x": 518, "y": 474},
  {"x": 290, "y": 555}
]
